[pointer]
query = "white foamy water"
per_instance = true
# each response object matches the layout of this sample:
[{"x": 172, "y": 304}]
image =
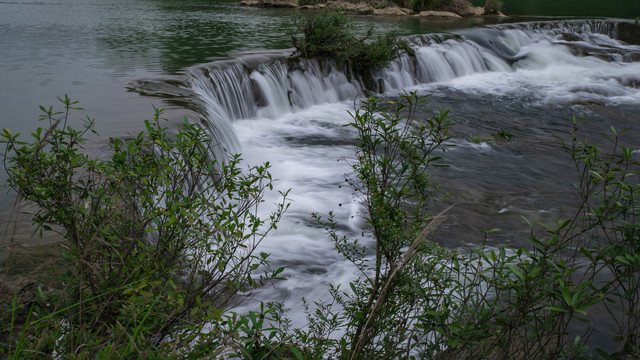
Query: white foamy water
[
  {"x": 304, "y": 152},
  {"x": 549, "y": 73},
  {"x": 292, "y": 114}
]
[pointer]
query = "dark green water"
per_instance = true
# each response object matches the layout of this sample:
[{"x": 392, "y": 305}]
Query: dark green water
[{"x": 581, "y": 8}]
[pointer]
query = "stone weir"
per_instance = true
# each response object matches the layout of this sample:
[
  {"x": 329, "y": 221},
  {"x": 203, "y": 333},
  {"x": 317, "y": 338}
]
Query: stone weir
[{"x": 271, "y": 84}]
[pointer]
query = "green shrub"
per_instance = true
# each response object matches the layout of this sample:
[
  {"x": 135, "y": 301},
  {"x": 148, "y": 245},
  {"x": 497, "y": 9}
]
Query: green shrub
[
  {"x": 328, "y": 34},
  {"x": 161, "y": 238},
  {"x": 392, "y": 177}
]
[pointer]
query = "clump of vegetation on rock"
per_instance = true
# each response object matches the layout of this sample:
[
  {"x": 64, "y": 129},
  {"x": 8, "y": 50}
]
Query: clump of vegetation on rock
[{"x": 328, "y": 34}]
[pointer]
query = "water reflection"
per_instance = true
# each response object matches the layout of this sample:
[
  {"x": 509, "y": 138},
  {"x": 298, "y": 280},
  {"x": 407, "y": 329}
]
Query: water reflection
[{"x": 174, "y": 35}]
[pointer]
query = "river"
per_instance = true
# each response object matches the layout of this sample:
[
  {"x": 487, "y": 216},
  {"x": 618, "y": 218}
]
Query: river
[
  {"x": 92, "y": 50},
  {"x": 529, "y": 78}
]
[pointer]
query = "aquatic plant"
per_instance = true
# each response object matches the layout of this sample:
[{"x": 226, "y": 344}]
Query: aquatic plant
[{"x": 504, "y": 134}]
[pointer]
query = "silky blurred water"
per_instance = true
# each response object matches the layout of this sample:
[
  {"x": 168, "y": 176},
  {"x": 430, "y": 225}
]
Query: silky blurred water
[{"x": 532, "y": 88}]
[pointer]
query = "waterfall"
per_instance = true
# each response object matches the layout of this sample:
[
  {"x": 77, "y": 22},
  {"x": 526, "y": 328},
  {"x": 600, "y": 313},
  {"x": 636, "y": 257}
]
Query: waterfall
[
  {"x": 227, "y": 94},
  {"x": 273, "y": 86},
  {"x": 523, "y": 77},
  {"x": 235, "y": 91}
]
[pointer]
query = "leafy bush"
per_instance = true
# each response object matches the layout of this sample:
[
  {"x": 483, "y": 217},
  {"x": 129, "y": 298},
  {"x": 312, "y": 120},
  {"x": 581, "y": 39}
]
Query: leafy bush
[
  {"x": 404, "y": 286},
  {"x": 328, "y": 34},
  {"x": 416, "y": 299},
  {"x": 160, "y": 237},
  {"x": 395, "y": 155}
]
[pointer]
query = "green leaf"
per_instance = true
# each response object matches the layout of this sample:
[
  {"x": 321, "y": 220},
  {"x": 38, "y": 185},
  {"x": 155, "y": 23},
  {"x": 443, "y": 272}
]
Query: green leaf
[
  {"x": 296, "y": 353},
  {"x": 555, "y": 308},
  {"x": 516, "y": 271}
]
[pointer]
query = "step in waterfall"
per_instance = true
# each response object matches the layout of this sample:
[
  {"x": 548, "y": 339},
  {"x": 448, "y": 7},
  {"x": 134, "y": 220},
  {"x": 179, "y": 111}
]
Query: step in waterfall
[{"x": 273, "y": 84}]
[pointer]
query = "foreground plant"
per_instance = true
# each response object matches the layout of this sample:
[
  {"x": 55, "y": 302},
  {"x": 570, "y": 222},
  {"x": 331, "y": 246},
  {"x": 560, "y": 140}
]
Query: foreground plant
[
  {"x": 415, "y": 299},
  {"x": 380, "y": 312},
  {"x": 161, "y": 238}
]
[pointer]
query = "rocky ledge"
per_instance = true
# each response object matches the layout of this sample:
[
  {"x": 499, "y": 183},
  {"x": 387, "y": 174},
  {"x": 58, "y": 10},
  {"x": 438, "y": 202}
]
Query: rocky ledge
[{"x": 366, "y": 7}]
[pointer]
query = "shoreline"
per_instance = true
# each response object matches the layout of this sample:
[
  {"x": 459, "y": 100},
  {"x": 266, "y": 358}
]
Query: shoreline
[{"x": 381, "y": 8}]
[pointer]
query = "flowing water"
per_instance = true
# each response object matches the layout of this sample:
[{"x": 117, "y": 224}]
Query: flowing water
[
  {"x": 93, "y": 49},
  {"x": 216, "y": 63},
  {"x": 527, "y": 78}
]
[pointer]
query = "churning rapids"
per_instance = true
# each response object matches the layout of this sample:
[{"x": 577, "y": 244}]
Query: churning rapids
[{"x": 527, "y": 78}]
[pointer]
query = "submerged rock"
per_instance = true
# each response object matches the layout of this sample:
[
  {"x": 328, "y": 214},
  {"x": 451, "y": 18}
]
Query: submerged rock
[
  {"x": 440, "y": 14},
  {"x": 629, "y": 33}
]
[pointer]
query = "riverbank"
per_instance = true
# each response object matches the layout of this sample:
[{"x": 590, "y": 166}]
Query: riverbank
[
  {"x": 377, "y": 7},
  {"x": 27, "y": 258}
]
